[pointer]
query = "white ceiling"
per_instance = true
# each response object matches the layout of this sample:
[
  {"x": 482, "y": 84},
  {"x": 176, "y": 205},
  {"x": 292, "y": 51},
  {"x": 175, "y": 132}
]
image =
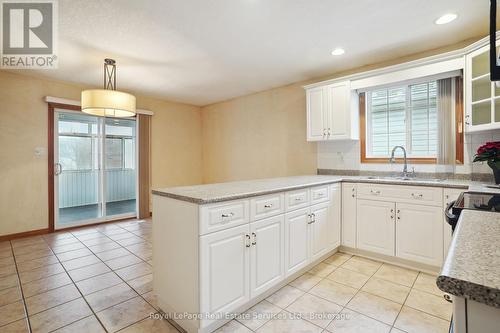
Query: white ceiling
[{"x": 204, "y": 51}]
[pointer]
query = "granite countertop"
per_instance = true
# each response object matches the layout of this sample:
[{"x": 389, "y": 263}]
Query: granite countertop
[
  {"x": 472, "y": 267},
  {"x": 210, "y": 193}
]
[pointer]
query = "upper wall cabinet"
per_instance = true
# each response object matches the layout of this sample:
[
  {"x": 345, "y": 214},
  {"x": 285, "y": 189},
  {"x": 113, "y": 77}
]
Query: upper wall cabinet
[
  {"x": 482, "y": 97},
  {"x": 332, "y": 112}
]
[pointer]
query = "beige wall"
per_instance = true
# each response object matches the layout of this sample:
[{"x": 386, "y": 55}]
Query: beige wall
[
  {"x": 257, "y": 136},
  {"x": 176, "y": 147},
  {"x": 264, "y": 134}
]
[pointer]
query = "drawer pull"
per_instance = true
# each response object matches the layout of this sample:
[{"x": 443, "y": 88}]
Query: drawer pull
[
  {"x": 377, "y": 192},
  {"x": 298, "y": 199},
  {"x": 268, "y": 205},
  {"x": 320, "y": 194},
  {"x": 417, "y": 196},
  {"x": 224, "y": 215}
]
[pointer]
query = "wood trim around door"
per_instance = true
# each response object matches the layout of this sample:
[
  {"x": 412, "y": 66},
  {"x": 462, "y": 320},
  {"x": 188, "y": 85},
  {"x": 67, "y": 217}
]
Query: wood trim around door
[{"x": 459, "y": 120}]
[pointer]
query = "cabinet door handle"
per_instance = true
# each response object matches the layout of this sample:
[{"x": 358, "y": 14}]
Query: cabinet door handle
[
  {"x": 328, "y": 131},
  {"x": 254, "y": 238},
  {"x": 448, "y": 298},
  {"x": 247, "y": 240}
]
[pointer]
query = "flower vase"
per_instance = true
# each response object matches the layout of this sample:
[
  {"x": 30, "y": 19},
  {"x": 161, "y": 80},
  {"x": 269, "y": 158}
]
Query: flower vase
[{"x": 495, "y": 166}]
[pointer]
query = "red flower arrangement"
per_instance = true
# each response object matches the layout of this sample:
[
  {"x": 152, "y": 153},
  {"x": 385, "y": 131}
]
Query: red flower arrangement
[{"x": 489, "y": 152}]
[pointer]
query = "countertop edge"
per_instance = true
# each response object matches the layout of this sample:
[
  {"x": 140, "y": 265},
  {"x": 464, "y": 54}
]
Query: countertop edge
[
  {"x": 466, "y": 289},
  {"x": 348, "y": 179}
]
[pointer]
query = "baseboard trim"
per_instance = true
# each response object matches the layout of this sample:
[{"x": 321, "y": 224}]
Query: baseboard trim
[{"x": 24, "y": 234}]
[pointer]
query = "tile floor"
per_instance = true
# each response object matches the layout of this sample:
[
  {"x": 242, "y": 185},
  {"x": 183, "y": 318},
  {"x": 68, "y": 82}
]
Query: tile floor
[{"x": 99, "y": 279}]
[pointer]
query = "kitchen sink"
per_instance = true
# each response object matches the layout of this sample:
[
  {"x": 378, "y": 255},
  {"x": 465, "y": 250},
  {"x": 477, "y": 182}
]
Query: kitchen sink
[{"x": 399, "y": 178}]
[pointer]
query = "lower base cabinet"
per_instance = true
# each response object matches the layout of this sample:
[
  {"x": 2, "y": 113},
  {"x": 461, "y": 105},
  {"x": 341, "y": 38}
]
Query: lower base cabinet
[
  {"x": 296, "y": 240},
  {"x": 224, "y": 270},
  {"x": 375, "y": 226},
  {"x": 419, "y": 233},
  {"x": 267, "y": 257},
  {"x": 318, "y": 230}
]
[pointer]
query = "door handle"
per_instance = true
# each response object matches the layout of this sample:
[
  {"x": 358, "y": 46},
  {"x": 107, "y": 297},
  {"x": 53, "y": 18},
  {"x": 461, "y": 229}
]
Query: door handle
[
  {"x": 254, "y": 238},
  {"x": 57, "y": 169}
]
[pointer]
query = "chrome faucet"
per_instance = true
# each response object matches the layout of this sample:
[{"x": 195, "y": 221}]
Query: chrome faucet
[{"x": 393, "y": 159}]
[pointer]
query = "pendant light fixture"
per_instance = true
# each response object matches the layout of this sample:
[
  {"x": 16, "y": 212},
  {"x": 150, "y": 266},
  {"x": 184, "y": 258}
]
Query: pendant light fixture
[{"x": 108, "y": 102}]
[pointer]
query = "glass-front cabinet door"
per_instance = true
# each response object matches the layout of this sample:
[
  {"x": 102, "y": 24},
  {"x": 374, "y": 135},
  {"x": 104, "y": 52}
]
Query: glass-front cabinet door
[{"x": 482, "y": 96}]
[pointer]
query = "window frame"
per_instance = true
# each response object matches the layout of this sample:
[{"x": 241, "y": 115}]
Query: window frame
[{"x": 459, "y": 146}]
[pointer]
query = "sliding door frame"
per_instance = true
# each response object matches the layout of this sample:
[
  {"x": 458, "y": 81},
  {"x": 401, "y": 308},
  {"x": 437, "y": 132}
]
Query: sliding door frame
[{"x": 52, "y": 109}]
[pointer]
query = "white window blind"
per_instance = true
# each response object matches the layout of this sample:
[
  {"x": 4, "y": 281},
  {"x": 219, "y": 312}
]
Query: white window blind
[{"x": 403, "y": 116}]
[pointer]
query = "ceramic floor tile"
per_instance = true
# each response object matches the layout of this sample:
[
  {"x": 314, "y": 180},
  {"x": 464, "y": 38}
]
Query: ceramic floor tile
[
  {"x": 333, "y": 291},
  {"x": 152, "y": 299},
  {"x": 396, "y": 330},
  {"x": 7, "y": 270},
  {"x": 306, "y": 281},
  {"x": 258, "y": 315},
  {"x": 88, "y": 271},
  {"x": 353, "y": 322},
  {"x": 375, "y": 307},
  {"x": 134, "y": 271},
  {"x": 40, "y": 273},
  {"x": 59, "y": 316},
  {"x": 103, "y": 299},
  {"x": 130, "y": 241},
  {"x": 67, "y": 247},
  {"x": 9, "y": 281},
  {"x": 112, "y": 254},
  {"x": 397, "y": 274},
  {"x": 390, "y": 290},
  {"x": 142, "y": 284},
  {"x": 348, "y": 277},
  {"x": 65, "y": 256},
  {"x": 337, "y": 259},
  {"x": 233, "y": 327},
  {"x": 122, "y": 262},
  {"x": 23, "y": 250},
  {"x": 362, "y": 265},
  {"x": 96, "y": 241},
  {"x": 20, "y": 326},
  {"x": 55, "y": 242},
  {"x": 125, "y": 314},
  {"x": 151, "y": 326},
  {"x": 51, "y": 298},
  {"x": 33, "y": 255},
  {"x": 427, "y": 283},
  {"x": 45, "y": 284},
  {"x": 286, "y": 323},
  {"x": 414, "y": 321},
  {"x": 314, "y": 309},
  {"x": 36, "y": 263},
  {"x": 322, "y": 269},
  {"x": 11, "y": 312},
  {"x": 81, "y": 262},
  {"x": 97, "y": 283},
  {"x": 285, "y": 296},
  {"x": 430, "y": 303},
  {"x": 104, "y": 247},
  {"x": 85, "y": 325},
  {"x": 10, "y": 295}
]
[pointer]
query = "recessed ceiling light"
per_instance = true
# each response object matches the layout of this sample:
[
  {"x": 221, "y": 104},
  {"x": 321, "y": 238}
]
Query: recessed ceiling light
[
  {"x": 446, "y": 18},
  {"x": 338, "y": 51}
]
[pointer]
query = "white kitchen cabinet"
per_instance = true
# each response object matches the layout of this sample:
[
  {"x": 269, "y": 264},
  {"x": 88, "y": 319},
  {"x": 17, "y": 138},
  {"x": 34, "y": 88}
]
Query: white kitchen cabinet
[
  {"x": 318, "y": 230},
  {"x": 296, "y": 240},
  {"x": 267, "y": 255},
  {"x": 419, "y": 233},
  {"x": 224, "y": 270},
  {"x": 375, "y": 226},
  {"x": 348, "y": 215},
  {"x": 449, "y": 195},
  {"x": 482, "y": 97},
  {"x": 334, "y": 216},
  {"x": 332, "y": 112}
]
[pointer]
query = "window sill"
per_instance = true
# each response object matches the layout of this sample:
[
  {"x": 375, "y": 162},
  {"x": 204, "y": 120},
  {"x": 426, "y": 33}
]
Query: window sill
[{"x": 414, "y": 160}]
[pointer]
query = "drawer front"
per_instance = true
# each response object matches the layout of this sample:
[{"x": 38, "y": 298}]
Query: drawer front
[
  {"x": 319, "y": 194},
  {"x": 225, "y": 215},
  {"x": 266, "y": 206},
  {"x": 431, "y": 196},
  {"x": 296, "y": 199}
]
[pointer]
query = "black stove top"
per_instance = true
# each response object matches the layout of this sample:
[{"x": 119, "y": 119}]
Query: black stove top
[{"x": 478, "y": 201}]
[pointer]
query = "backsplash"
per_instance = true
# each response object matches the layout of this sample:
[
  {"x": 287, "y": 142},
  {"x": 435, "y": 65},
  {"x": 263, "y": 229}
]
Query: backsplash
[{"x": 345, "y": 155}]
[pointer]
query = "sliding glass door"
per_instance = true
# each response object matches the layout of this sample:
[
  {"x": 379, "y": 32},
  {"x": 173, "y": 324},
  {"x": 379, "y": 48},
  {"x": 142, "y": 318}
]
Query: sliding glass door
[{"x": 95, "y": 168}]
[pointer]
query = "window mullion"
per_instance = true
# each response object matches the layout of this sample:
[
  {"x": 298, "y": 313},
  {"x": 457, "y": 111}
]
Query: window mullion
[{"x": 408, "y": 120}]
